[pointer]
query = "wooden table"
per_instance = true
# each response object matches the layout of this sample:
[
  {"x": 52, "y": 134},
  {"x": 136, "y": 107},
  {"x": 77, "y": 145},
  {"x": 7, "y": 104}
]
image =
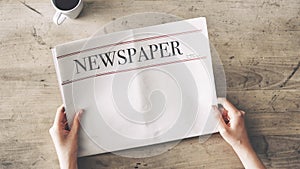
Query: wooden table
[{"x": 258, "y": 42}]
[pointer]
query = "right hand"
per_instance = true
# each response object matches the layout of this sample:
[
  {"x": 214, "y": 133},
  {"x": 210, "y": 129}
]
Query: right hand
[{"x": 234, "y": 132}]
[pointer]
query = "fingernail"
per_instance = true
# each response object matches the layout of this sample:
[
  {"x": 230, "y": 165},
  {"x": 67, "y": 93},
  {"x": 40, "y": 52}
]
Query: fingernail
[
  {"x": 215, "y": 108},
  {"x": 79, "y": 113},
  {"x": 221, "y": 99}
]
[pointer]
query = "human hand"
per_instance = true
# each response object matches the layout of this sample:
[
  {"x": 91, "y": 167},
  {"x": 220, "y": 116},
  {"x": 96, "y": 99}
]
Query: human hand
[
  {"x": 232, "y": 129},
  {"x": 65, "y": 140},
  {"x": 231, "y": 124}
]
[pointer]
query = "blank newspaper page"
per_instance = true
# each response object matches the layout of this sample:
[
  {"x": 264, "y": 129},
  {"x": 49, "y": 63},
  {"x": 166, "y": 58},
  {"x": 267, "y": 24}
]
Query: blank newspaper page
[{"x": 139, "y": 87}]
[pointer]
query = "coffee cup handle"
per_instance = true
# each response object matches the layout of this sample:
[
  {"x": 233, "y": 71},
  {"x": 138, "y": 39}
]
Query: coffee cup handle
[{"x": 59, "y": 18}]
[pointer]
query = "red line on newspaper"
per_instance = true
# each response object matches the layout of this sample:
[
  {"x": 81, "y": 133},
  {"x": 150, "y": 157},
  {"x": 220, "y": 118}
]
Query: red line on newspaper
[
  {"x": 126, "y": 70},
  {"x": 126, "y": 42}
]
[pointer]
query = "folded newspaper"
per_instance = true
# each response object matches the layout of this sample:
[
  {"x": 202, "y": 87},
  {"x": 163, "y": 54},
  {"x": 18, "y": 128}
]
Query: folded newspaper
[{"x": 139, "y": 87}]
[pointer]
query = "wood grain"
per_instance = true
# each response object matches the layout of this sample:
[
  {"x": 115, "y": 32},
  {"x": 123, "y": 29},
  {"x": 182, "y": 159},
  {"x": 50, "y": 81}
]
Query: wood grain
[{"x": 257, "y": 41}]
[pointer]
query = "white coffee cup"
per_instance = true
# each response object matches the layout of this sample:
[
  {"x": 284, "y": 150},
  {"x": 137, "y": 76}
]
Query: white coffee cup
[{"x": 60, "y": 14}]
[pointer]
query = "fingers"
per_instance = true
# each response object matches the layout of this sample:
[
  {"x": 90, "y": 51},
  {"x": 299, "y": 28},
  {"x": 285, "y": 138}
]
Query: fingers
[
  {"x": 76, "y": 124},
  {"x": 243, "y": 113},
  {"x": 51, "y": 131},
  {"x": 216, "y": 111},
  {"x": 59, "y": 117},
  {"x": 222, "y": 127},
  {"x": 228, "y": 106}
]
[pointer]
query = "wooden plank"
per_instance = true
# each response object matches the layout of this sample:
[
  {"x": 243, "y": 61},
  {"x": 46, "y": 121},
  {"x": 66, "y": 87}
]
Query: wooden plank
[
  {"x": 258, "y": 42},
  {"x": 275, "y": 152}
]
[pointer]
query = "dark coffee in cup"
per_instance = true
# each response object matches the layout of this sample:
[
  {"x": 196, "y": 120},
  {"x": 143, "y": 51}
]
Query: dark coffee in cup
[{"x": 65, "y": 4}]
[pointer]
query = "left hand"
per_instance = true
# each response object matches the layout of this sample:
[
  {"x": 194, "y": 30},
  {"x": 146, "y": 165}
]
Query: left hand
[{"x": 65, "y": 140}]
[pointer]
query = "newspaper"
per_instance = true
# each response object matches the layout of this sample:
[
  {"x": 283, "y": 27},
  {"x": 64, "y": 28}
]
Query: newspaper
[{"x": 139, "y": 87}]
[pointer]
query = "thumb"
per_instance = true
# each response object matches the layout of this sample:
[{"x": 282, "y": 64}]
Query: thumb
[
  {"x": 76, "y": 124},
  {"x": 222, "y": 126}
]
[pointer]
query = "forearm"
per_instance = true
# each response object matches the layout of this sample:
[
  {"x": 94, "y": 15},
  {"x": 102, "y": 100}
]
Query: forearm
[{"x": 248, "y": 156}]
